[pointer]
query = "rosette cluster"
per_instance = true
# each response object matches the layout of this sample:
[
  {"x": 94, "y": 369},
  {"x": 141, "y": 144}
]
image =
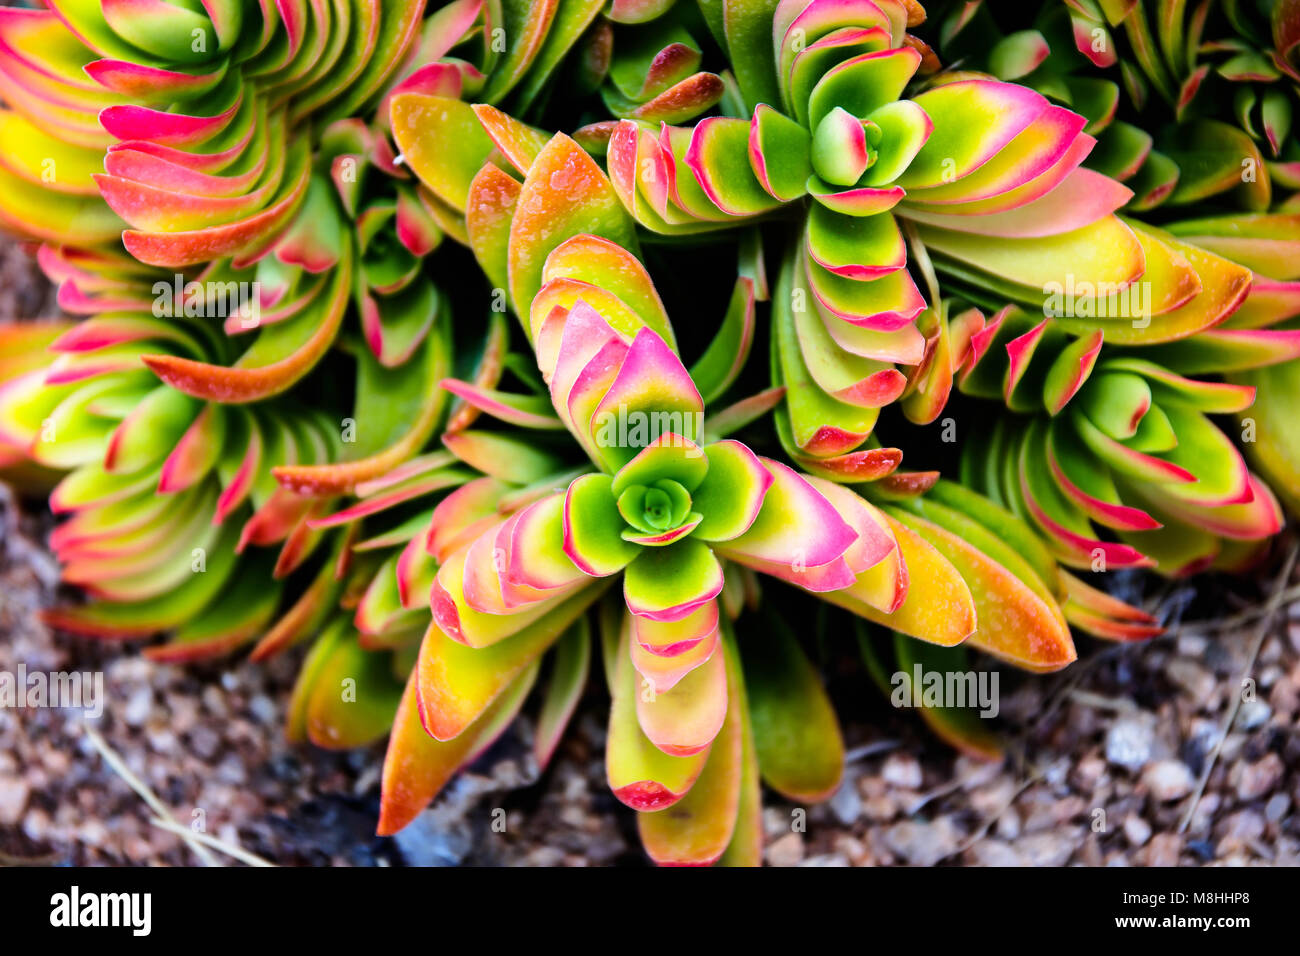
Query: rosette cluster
[
  {"x": 1116, "y": 442},
  {"x": 975, "y": 172},
  {"x": 187, "y": 119},
  {"x": 674, "y": 515},
  {"x": 286, "y": 409}
]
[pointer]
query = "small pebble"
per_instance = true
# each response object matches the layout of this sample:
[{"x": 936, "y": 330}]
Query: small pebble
[
  {"x": 1164, "y": 850},
  {"x": 1168, "y": 780},
  {"x": 1008, "y": 826},
  {"x": 994, "y": 853},
  {"x": 1252, "y": 714},
  {"x": 1276, "y": 808},
  {"x": 1137, "y": 830},
  {"x": 903, "y": 771},
  {"x": 1050, "y": 847},
  {"x": 1255, "y": 780},
  {"x": 13, "y": 799},
  {"x": 921, "y": 843},
  {"x": 1238, "y": 830},
  {"x": 138, "y": 706},
  {"x": 1088, "y": 772},
  {"x": 1191, "y": 677},
  {"x": 214, "y": 701},
  {"x": 204, "y": 741},
  {"x": 1130, "y": 741},
  {"x": 262, "y": 708},
  {"x": 845, "y": 803},
  {"x": 786, "y": 851},
  {"x": 852, "y": 848}
]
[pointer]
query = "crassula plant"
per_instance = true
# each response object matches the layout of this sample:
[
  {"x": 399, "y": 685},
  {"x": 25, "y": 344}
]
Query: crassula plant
[{"x": 482, "y": 346}]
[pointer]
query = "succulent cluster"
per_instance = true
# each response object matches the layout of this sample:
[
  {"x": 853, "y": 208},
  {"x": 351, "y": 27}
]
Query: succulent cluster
[{"x": 287, "y": 403}]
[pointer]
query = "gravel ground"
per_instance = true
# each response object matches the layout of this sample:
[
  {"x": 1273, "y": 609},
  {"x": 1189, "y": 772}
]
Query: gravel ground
[
  {"x": 23, "y": 290},
  {"x": 1104, "y": 768}
]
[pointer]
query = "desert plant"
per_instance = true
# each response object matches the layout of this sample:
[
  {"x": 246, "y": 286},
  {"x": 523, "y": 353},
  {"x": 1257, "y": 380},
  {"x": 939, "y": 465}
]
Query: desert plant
[{"x": 278, "y": 415}]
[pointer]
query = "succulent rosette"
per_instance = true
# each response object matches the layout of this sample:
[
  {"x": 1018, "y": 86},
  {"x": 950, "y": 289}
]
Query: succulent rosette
[
  {"x": 672, "y": 511},
  {"x": 206, "y": 148},
  {"x": 279, "y": 316},
  {"x": 305, "y": 229},
  {"x": 175, "y": 520},
  {"x": 1219, "y": 69},
  {"x": 162, "y": 491},
  {"x": 981, "y": 178},
  {"x": 1116, "y": 442},
  {"x": 650, "y": 514},
  {"x": 218, "y": 440},
  {"x": 186, "y": 119},
  {"x": 652, "y": 509},
  {"x": 1222, "y": 73},
  {"x": 1225, "y": 74}
]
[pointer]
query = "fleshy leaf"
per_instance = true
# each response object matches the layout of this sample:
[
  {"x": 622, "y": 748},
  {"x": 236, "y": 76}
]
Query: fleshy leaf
[
  {"x": 796, "y": 735},
  {"x": 696, "y": 830},
  {"x": 640, "y": 774},
  {"x": 571, "y": 663}
]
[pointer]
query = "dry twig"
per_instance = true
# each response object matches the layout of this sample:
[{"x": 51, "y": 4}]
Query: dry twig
[
  {"x": 119, "y": 767},
  {"x": 1271, "y": 607}
]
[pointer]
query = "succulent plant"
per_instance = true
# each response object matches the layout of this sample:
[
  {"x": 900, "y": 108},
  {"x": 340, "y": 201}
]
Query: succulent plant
[
  {"x": 675, "y": 510},
  {"x": 651, "y": 71},
  {"x": 152, "y": 474},
  {"x": 980, "y": 178},
  {"x": 1218, "y": 69},
  {"x": 1119, "y": 442},
  {"x": 278, "y": 415},
  {"x": 1224, "y": 144},
  {"x": 195, "y": 115}
]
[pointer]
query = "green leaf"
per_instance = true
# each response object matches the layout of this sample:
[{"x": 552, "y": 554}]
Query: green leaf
[
  {"x": 962, "y": 727},
  {"x": 697, "y": 829},
  {"x": 443, "y": 143},
  {"x": 796, "y": 735},
  {"x": 747, "y": 26},
  {"x": 570, "y": 665}
]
